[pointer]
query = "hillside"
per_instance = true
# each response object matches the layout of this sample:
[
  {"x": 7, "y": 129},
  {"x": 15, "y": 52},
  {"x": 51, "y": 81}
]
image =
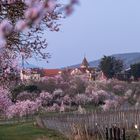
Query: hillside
[{"x": 127, "y": 58}]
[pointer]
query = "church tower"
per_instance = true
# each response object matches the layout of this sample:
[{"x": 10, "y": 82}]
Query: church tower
[{"x": 85, "y": 63}]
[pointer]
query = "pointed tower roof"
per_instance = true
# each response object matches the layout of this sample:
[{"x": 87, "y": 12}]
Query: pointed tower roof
[{"x": 85, "y": 63}]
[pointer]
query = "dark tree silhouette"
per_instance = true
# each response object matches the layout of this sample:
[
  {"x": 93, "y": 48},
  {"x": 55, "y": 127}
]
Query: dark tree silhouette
[
  {"x": 135, "y": 71},
  {"x": 110, "y": 66}
]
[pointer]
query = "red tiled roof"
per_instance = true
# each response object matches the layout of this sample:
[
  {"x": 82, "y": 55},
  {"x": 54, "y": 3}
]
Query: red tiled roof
[{"x": 51, "y": 72}]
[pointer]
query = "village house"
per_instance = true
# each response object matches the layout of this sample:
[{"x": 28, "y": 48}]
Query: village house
[
  {"x": 38, "y": 74},
  {"x": 93, "y": 73}
]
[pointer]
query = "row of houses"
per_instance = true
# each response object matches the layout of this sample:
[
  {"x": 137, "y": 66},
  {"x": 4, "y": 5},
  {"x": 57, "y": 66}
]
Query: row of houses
[{"x": 39, "y": 74}]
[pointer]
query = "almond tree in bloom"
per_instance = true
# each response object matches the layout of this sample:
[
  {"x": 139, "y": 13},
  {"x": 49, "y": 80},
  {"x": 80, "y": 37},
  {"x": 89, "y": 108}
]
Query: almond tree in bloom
[
  {"x": 110, "y": 104},
  {"x": 45, "y": 98},
  {"x": 53, "y": 108},
  {"x": 22, "y": 23},
  {"x": 5, "y": 101},
  {"x": 23, "y": 108},
  {"x": 26, "y": 95},
  {"x": 81, "y": 99}
]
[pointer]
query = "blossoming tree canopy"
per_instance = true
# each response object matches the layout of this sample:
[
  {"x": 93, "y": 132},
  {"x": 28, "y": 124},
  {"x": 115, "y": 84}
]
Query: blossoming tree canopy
[{"x": 22, "y": 23}]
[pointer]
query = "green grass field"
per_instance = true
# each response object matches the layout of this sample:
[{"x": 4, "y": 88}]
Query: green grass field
[{"x": 27, "y": 131}]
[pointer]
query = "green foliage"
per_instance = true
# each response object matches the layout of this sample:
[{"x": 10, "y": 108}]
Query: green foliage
[
  {"x": 27, "y": 131},
  {"x": 14, "y": 92},
  {"x": 110, "y": 66},
  {"x": 21, "y": 88},
  {"x": 31, "y": 88},
  {"x": 135, "y": 70},
  {"x": 132, "y": 135},
  {"x": 80, "y": 85},
  {"x": 47, "y": 85}
]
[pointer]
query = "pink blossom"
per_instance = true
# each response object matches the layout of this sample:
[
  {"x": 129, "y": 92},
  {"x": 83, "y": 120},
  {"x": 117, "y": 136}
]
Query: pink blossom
[
  {"x": 44, "y": 98},
  {"x": 11, "y": 1},
  {"x": 2, "y": 41},
  {"x": 99, "y": 96},
  {"x": 110, "y": 104},
  {"x": 62, "y": 107},
  {"x": 53, "y": 108},
  {"x": 23, "y": 108},
  {"x": 51, "y": 5},
  {"x": 81, "y": 99},
  {"x": 35, "y": 12},
  {"x": 58, "y": 92},
  {"x": 5, "y": 27},
  {"x": 5, "y": 101},
  {"x": 20, "y": 25},
  {"x": 45, "y": 95},
  {"x": 67, "y": 99},
  {"x": 26, "y": 96}
]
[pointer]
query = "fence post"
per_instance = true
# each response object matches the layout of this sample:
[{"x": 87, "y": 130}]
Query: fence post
[
  {"x": 118, "y": 134},
  {"x": 107, "y": 137},
  {"x": 123, "y": 134},
  {"x": 111, "y": 136},
  {"x": 114, "y": 133}
]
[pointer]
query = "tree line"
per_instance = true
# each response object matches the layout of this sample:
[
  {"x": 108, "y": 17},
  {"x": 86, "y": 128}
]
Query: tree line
[{"x": 112, "y": 67}]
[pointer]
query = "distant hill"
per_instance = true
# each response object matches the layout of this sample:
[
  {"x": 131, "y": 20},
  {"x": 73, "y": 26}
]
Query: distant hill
[{"x": 127, "y": 58}]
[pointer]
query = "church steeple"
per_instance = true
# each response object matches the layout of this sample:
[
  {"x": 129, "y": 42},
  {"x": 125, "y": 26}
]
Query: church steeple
[{"x": 85, "y": 63}]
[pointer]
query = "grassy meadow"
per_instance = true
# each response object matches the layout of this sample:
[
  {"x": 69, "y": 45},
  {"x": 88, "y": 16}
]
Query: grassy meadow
[{"x": 27, "y": 131}]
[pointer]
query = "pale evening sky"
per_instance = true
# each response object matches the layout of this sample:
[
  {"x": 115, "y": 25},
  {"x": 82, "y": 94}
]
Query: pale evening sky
[{"x": 96, "y": 28}]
